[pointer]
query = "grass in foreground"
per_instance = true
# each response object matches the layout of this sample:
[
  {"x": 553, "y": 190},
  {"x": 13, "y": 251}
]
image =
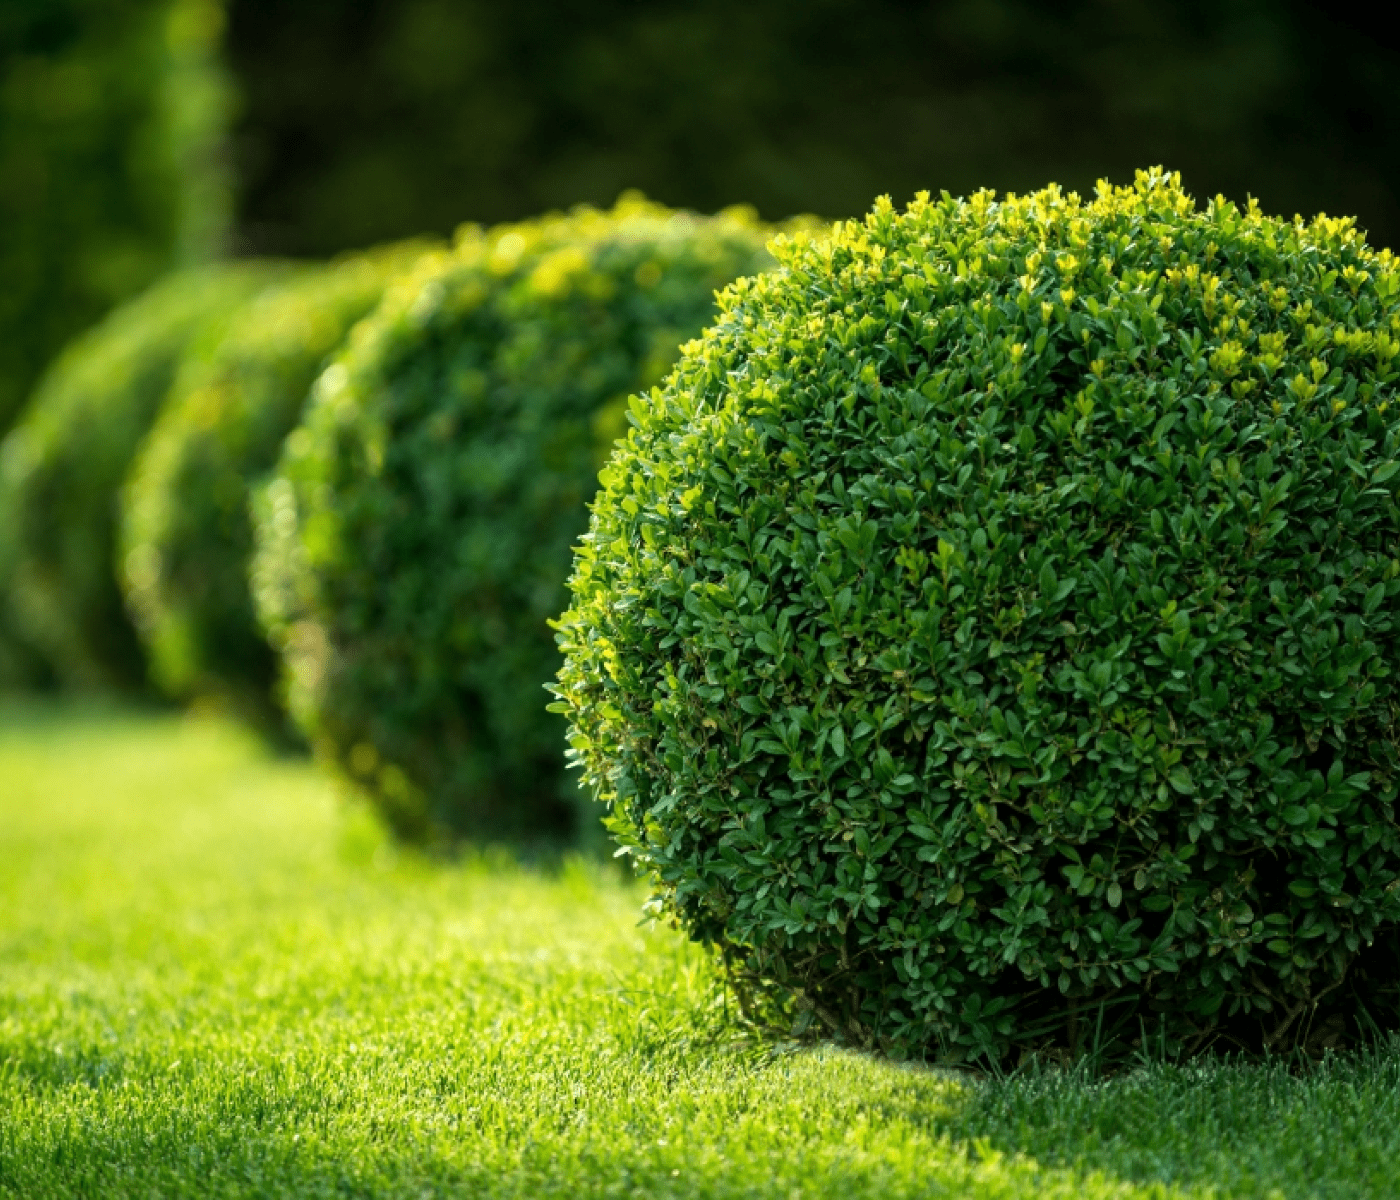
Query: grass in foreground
[{"x": 216, "y": 981}]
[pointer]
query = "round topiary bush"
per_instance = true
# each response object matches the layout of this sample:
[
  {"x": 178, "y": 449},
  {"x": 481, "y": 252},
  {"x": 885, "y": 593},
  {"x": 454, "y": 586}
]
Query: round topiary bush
[
  {"x": 417, "y": 538},
  {"x": 61, "y": 469},
  {"x": 186, "y": 531},
  {"x": 986, "y": 637}
]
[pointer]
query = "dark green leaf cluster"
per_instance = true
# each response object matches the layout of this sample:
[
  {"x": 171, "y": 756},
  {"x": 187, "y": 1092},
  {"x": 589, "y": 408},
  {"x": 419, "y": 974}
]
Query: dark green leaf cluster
[
  {"x": 186, "y": 530},
  {"x": 62, "y": 466},
  {"x": 987, "y": 635},
  {"x": 417, "y": 538}
]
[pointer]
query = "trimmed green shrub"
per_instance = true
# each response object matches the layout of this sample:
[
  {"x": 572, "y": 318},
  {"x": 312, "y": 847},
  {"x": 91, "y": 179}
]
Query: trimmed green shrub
[
  {"x": 417, "y": 538},
  {"x": 986, "y": 637},
  {"x": 112, "y": 167},
  {"x": 186, "y": 532},
  {"x": 61, "y": 468}
]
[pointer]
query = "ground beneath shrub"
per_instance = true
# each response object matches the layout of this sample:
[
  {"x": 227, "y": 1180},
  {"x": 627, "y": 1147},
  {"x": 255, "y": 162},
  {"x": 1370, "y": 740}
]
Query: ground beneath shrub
[{"x": 218, "y": 980}]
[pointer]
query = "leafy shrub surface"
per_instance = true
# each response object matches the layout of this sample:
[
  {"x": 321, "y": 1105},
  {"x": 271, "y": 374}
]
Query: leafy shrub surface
[
  {"x": 61, "y": 469},
  {"x": 417, "y": 539},
  {"x": 987, "y": 634},
  {"x": 186, "y": 530}
]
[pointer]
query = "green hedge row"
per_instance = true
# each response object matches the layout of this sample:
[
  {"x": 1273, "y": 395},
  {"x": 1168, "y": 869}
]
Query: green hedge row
[
  {"x": 416, "y": 540},
  {"x": 186, "y": 533},
  {"x": 62, "y": 466},
  {"x": 984, "y": 636},
  {"x": 418, "y": 533}
]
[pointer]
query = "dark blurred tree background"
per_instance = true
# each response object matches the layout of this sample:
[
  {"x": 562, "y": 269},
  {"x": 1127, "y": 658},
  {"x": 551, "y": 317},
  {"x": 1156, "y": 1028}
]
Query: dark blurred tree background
[
  {"x": 370, "y": 119},
  {"x": 112, "y": 165},
  {"x": 366, "y": 120}
]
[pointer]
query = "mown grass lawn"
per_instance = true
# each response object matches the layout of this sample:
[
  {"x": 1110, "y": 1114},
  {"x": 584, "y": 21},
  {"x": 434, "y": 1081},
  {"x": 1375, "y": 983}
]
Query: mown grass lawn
[{"x": 217, "y": 981}]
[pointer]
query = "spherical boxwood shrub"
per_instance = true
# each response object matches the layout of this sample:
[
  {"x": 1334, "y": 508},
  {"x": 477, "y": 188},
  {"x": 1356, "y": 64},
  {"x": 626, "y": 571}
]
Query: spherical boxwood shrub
[
  {"x": 186, "y": 531},
  {"x": 986, "y": 637},
  {"x": 417, "y": 539},
  {"x": 61, "y": 468}
]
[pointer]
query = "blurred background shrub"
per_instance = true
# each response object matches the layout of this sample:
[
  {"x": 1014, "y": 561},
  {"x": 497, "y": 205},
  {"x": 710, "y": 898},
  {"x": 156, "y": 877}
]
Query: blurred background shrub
[
  {"x": 417, "y": 538},
  {"x": 62, "y": 465},
  {"x": 186, "y": 536},
  {"x": 113, "y": 163}
]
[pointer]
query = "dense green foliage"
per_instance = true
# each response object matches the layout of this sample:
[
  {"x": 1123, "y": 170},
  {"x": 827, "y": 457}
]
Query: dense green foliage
[
  {"x": 186, "y": 531},
  {"x": 215, "y": 982},
  {"x": 987, "y": 636},
  {"x": 417, "y": 539},
  {"x": 62, "y": 465},
  {"x": 112, "y": 114}
]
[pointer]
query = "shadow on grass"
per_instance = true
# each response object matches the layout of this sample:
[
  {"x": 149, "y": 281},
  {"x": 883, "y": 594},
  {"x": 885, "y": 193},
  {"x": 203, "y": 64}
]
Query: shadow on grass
[
  {"x": 643, "y": 1112},
  {"x": 813, "y": 1124},
  {"x": 1287, "y": 1127}
]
